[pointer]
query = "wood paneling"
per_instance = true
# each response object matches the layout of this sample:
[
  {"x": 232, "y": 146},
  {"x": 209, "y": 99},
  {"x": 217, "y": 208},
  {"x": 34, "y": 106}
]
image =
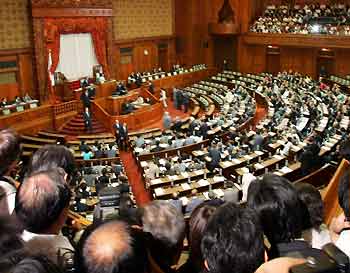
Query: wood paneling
[
  {"x": 342, "y": 66},
  {"x": 9, "y": 90},
  {"x": 139, "y": 60},
  {"x": 301, "y": 60},
  {"x": 26, "y": 80},
  {"x": 251, "y": 58},
  {"x": 24, "y": 73}
]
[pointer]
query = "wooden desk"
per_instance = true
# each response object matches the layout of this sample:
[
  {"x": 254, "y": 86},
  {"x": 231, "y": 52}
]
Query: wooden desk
[
  {"x": 102, "y": 90},
  {"x": 114, "y": 104}
]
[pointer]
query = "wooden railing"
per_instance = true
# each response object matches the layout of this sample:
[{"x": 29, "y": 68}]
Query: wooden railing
[
  {"x": 66, "y": 107},
  {"x": 330, "y": 196}
]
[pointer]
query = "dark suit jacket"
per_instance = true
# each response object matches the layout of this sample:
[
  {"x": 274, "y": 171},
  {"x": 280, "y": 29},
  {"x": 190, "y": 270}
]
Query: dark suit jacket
[
  {"x": 215, "y": 157},
  {"x": 123, "y": 132},
  {"x": 85, "y": 100},
  {"x": 117, "y": 130},
  {"x": 203, "y": 129}
]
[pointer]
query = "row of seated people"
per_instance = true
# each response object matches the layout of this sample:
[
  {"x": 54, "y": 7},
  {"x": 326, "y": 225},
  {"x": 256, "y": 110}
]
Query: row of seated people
[
  {"x": 18, "y": 104},
  {"x": 93, "y": 184},
  {"x": 288, "y": 122},
  {"x": 139, "y": 78},
  {"x": 196, "y": 130},
  {"x": 104, "y": 147},
  {"x": 340, "y": 127},
  {"x": 340, "y": 80},
  {"x": 290, "y": 216},
  {"x": 97, "y": 150},
  {"x": 316, "y": 18}
]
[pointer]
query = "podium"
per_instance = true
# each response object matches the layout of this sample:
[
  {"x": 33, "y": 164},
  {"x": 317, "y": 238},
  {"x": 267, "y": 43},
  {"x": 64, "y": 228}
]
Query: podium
[{"x": 63, "y": 91}]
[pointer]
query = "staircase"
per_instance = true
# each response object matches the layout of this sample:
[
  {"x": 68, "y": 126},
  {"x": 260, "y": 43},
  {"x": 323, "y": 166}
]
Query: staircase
[{"x": 76, "y": 126}]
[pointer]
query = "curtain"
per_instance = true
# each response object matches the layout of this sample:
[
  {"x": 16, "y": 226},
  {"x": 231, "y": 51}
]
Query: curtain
[
  {"x": 77, "y": 56},
  {"x": 97, "y": 27}
]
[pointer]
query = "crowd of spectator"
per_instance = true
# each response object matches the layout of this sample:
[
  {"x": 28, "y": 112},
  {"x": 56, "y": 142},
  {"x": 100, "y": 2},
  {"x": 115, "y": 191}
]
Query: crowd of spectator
[
  {"x": 269, "y": 224},
  {"x": 222, "y": 236},
  {"x": 309, "y": 19}
]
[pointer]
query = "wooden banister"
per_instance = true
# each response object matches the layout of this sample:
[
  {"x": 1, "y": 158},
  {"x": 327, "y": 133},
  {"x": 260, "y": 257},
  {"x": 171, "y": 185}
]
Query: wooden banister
[{"x": 330, "y": 196}]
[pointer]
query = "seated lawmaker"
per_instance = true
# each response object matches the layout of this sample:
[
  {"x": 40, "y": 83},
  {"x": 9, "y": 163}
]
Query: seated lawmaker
[
  {"x": 127, "y": 108},
  {"x": 4, "y": 102},
  {"x": 120, "y": 90},
  {"x": 27, "y": 98}
]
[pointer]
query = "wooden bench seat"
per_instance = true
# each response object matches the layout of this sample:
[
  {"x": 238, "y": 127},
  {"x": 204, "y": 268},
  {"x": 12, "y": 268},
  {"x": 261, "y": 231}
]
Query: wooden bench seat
[
  {"x": 51, "y": 135},
  {"x": 96, "y": 137},
  {"x": 33, "y": 139}
]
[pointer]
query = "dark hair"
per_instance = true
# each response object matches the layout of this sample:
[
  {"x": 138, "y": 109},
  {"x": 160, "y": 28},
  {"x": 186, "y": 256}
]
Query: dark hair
[
  {"x": 51, "y": 157},
  {"x": 129, "y": 252},
  {"x": 197, "y": 223},
  {"x": 233, "y": 240},
  {"x": 276, "y": 201},
  {"x": 312, "y": 200},
  {"x": 343, "y": 194},
  {"x": 10, "y": 149},
  {"x": 167, "y": 226},
  {"x": 41, "y": 199}
]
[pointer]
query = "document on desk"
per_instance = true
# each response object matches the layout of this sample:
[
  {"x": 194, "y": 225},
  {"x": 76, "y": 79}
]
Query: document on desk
[
  {"x": 219, "y": 192},
  {"x": 285, "y": 170},
  {"x": 156, "y": 181},
  {"x": 199, "y": 172},
  {"x": 185, "y": 186},
  {"x": 203, "y": 183},
  {"x": 236, "y": 161},
  {"x": 278, "y": 157},
  {"x": 259, "y": 166},
  {"x": 218, "y": 179},
  {"x": 159, "y": 191}
]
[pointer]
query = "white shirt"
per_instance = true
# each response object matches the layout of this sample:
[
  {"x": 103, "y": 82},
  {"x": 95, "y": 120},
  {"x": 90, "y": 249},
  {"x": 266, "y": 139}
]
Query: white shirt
[
  {"x": 343, "y": 242},
  {"x": 286, "y": 148},
  {"x": 48, "y": 244},
  {"x": 317, "y": 238},
  {"x": 247, "y": 178},
  {"x": 10, "y": 195}
]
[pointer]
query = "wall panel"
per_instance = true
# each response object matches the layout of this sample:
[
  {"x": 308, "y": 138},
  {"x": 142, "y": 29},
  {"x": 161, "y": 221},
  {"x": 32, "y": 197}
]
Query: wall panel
[{"x": 142, "y": 18}]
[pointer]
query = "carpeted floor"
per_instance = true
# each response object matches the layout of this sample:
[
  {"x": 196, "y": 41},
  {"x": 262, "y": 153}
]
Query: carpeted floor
[{"x": 133, "y": 172}]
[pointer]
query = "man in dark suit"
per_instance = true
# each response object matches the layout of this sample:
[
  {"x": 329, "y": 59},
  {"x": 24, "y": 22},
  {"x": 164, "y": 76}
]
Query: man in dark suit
[
  {"x": 124, "y": 137},
  {"x": 185, "y": 101},
  {"x": 215, "y": 157},
  {"x": 87, "y": 120},
  {"x": 85, "y": 99},
  {"x": 151, "y": 87},
  {"x": 117, "y": 131},
  {"x": 203, "y": 129}
]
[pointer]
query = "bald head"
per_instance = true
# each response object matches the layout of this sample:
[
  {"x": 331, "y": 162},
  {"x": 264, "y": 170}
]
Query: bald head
[
  {"x": 111, "y": 247},
  {"x": 41, "y": 199}
]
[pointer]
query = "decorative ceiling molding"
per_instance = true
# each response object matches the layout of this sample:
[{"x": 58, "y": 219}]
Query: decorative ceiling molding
[
  {"x": 72, "y": 4},
  {"x": 71, "y": 12}
]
